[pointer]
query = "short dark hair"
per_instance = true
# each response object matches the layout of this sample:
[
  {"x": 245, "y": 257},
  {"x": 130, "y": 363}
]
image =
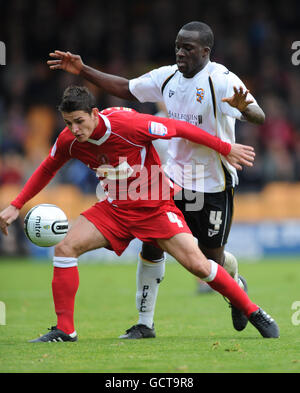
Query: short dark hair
[
  {"x": 77, "y": 98},
  {"x": 206, "y": 35}
]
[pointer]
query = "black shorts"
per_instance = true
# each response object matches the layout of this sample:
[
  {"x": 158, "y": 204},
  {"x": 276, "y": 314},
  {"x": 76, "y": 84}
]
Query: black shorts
[{"x": 210, "y": 221}]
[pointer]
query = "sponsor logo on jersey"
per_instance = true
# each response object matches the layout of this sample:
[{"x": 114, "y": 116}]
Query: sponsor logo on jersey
[
  {"x": 157, "y": 128},
  {"x": 120, "y": 172},
  {"x": 200, "y": 94}
]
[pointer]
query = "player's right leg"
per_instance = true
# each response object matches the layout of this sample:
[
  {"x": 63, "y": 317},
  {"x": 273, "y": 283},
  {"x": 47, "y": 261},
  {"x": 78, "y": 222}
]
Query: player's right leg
[
  {"x": 82, "y": 237},
  {"x": 211, "y": 226}
]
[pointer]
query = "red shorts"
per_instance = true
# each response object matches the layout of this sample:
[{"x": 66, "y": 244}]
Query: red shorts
[{"x": 120, "y": 226}]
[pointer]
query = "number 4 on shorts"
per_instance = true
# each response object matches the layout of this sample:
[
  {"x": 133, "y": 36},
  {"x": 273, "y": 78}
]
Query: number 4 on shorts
[
  {"x": 174, "y": 219},
  {"x": 215, "y": 219}
]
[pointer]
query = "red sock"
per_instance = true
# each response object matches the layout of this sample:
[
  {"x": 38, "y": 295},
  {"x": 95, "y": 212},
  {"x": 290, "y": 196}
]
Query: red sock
[
  {"x": 64, "y": 287},
  {"x": 228, "y": 287}
]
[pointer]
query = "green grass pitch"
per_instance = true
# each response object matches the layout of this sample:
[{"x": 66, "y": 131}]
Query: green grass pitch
[{"x": 194, "y": 332}]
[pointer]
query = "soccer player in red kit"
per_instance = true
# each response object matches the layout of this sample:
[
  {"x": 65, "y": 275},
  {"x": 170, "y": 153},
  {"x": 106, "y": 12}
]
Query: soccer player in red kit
[{"x": 117, "y": 144}]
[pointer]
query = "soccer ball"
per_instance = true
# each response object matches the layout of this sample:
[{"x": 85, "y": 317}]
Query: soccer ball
[{"x": 46, "y": 225}]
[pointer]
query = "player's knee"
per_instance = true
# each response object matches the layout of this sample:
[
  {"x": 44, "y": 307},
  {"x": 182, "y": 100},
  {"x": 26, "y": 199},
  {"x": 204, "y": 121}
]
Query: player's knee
[
  {"x": 216, "y": 254},
  {"x": 196, "y": 263},
  {"x": 66, "y": 249}
]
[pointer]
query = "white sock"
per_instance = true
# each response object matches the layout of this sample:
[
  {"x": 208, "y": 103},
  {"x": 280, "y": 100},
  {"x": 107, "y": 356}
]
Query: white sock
[
  {"x": 231, "y": 266},
  {"x": 213, "y": 271},
  {"x": 64, "y": 262},
  {"x": 148, "y": 277}
]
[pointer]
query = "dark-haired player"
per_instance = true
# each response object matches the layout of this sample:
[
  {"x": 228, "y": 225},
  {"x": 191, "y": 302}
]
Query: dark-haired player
[
  {"x": 138, "y": 204},
  {"x": 207, "y": 95}
]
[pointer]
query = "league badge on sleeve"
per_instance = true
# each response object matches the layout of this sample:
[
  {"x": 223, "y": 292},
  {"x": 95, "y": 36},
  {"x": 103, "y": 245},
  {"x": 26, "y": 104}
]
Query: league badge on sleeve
[{"x": 157, "y": 128}]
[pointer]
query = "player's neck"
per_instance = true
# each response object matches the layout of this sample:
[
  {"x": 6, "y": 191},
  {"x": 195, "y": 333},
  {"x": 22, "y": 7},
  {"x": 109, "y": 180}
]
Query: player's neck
[
  {"x": 99, "y": 128},
  {"x": 198, "y": 69}
]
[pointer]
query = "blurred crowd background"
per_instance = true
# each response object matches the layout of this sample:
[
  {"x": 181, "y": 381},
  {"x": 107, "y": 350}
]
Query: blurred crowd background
[{"x": 128, "y": 38}]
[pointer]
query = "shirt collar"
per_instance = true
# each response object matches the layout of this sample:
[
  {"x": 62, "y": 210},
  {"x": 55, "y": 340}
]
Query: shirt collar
[{"x": 101, "y": 132}]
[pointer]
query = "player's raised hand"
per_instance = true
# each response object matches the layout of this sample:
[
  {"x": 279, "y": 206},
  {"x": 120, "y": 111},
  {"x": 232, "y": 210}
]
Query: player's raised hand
[
  {"x": 239, "y": 99},
  {"x": 66, "y": 61},
  {"x": 241, "y": 155},
  {"x": 7, "y": 216}
]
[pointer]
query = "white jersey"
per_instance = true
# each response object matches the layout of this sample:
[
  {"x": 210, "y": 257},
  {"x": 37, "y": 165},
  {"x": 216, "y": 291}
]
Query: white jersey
[{"x": 198, "y": 101}]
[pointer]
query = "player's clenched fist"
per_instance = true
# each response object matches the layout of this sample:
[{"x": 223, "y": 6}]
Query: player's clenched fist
[{"x": 66, "y": 61}]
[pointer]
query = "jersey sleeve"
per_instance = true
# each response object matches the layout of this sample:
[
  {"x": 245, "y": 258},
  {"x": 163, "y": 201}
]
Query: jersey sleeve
[
  {"x": 60, "y": 151},
  {"x": 150, "y": 127},
  {"x": 224, "y": 88},
  {"x": 148, "y": 87},
  {"x": 57, "y": 157}
]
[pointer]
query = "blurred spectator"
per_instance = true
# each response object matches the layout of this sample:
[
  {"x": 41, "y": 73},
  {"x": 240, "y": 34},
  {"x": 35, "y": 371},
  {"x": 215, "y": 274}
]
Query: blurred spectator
[
  {"x": 278, "y": 162},
  {"x": 11, "y": 168},
  {"x": 277, "y": 126}
]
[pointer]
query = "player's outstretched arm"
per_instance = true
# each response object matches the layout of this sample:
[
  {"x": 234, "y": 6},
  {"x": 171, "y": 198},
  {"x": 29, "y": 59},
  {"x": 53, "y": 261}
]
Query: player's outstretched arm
[
  {"x": 7, "y": 217},
  {"x": 38, "y": 180},
  {"x": 73, "y": 64},
  {"x": 240, "y": 155},
  {"x": 251, "y": 113},
  {"x": 236, "y": 154}
]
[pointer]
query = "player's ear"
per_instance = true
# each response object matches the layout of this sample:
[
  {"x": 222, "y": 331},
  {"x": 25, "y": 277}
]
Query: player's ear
[
  {"x": 206, "y": 51},
  {"x": 95, "y": 111}
]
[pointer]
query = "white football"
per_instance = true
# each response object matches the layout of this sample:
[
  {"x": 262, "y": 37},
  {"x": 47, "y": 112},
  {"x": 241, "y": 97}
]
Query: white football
[{"x": 46, "y": 225}]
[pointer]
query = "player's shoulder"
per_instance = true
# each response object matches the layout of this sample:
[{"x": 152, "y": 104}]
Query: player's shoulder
[
  {"x": 220, "y": 73},
  {"x": 222, "y": 78},
  {"x": 119, "y": 118},
  {"x": 62, "y": 143},
  {"x": 164, "y": 72},
  {"x": 64, "y": 139},
  {"x": 167, "y": 69},
  {"x": 117, "y": 110},
  {"x": 217, "y": 70},
  {"x": 65, "y": 136}
]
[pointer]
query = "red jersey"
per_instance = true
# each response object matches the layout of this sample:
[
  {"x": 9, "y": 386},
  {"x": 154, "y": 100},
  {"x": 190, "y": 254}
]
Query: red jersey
[{"x": 121, "y": 145}]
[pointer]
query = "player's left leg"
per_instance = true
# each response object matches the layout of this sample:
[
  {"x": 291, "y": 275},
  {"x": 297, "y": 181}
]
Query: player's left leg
[
  {"x": 211, "y": 226},
  {"x": 150, "y": 273},
  {"x": 183, "y": 248},
  {"x": 82, "y": 237},
  {"x": 230, "y": 264}
]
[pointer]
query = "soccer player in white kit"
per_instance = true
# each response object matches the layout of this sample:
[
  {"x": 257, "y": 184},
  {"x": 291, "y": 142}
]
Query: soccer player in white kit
[{"x": 205, "y": 94}]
